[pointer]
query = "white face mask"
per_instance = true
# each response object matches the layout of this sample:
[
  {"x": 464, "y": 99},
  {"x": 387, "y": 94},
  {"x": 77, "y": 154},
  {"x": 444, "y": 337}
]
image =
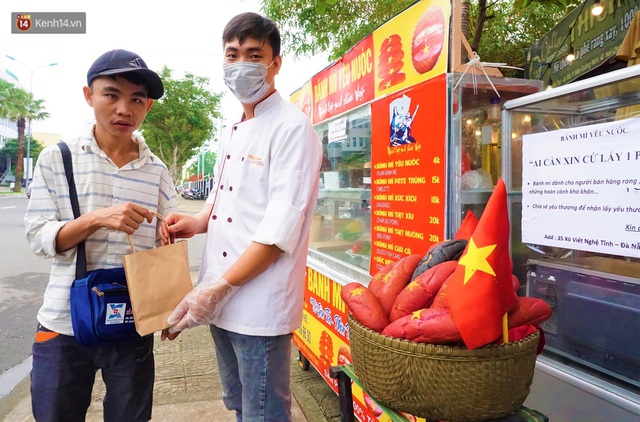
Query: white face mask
[{"x": 247, "y": 81}]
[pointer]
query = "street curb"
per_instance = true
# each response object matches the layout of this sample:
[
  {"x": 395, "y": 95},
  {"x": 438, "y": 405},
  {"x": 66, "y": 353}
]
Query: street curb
[{"x": 308, "y": 404}]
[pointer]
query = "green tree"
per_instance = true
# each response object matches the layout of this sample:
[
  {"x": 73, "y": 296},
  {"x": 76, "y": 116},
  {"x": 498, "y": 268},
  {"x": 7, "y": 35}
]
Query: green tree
[
  {"x": 512, "y": 27},
  {"x": 19, "y": 105},
  {"x": 314, "y": 26},
  {"x": 182, "y": 120},
  {"x": 10, "y": 149},
  {"x": 209, "y": 159}
]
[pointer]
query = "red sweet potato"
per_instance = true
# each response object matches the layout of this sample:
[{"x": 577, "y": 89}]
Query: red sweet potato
[
  {"x": 421, "y": 291},
  {"x": 364, "y": 306},
  {"x": 396, "y": 280},
  {"x": 528, "y": 310},
  {"x": 425, "y": 326}
]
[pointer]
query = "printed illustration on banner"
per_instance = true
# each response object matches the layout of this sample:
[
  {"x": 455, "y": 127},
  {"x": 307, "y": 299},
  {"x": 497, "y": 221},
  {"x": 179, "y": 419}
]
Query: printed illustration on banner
[
  {"x": 428, "y": 40},
  {"x": 302, "y": 99},
  {"x": 412, "y": 47},
  {"x": 401, "y": 119}
]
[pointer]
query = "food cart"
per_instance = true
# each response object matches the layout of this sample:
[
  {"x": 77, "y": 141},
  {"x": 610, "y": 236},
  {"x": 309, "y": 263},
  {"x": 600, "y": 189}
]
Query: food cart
[
  {"x": 577, "y": 196},
  {"x": 412, "y": 141}
]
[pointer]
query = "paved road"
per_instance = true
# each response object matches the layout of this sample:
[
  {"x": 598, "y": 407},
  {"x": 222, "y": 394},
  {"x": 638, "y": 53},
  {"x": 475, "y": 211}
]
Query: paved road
[{"x": 23, "y": 278}]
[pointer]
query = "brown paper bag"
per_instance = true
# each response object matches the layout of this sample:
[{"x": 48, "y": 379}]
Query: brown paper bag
[{"x": 158, "y": 280}]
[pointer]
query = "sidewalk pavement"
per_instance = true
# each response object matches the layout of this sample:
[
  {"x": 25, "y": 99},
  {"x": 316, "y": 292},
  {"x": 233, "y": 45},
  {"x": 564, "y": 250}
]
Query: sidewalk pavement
[{"x": 187, "y": 386}]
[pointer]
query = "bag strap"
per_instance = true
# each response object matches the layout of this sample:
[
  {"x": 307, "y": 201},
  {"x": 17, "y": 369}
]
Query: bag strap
[
  {"x": 81, "y": 262},
  {"x": 159, "y": 217}
]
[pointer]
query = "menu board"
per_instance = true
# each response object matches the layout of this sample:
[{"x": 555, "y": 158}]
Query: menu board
[{"x": 408, "y": 172}]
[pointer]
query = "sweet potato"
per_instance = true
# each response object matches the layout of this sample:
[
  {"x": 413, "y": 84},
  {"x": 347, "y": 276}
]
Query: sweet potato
[
  {"x": 396, "y": 280},
  {"x": 421, "y": 291},
  {"x": 364, "y": 306},
  {"x": 425, "y": 326},
  {"x": 528, "y": 310}
]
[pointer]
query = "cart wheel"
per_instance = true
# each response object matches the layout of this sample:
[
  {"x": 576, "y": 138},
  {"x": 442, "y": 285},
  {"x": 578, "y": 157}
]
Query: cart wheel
[{"x": 303, "y": 361}]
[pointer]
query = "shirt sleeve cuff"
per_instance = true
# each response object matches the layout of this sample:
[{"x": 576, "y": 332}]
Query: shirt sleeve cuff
[
  {"x": 48, "y": 235},
  {"x": 280, "y": 226}
]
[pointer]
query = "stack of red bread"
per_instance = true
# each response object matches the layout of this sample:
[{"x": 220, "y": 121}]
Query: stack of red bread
[{"x": 407, "y": 299}]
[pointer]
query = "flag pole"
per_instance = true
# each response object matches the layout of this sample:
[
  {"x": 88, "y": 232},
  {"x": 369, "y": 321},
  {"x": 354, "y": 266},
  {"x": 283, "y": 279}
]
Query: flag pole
[{"x": 505, "y": 329}]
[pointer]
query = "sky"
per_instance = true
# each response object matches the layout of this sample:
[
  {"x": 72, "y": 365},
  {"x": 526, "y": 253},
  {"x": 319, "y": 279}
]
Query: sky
[{"x": 184, "y": 35}]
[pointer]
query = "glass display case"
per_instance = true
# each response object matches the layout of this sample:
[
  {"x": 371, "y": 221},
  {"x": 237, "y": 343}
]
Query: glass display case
[
  {"x": 476, "y": 142},
  {"x": 571, "y": 170},
  {"x": 341, "y": 230}
]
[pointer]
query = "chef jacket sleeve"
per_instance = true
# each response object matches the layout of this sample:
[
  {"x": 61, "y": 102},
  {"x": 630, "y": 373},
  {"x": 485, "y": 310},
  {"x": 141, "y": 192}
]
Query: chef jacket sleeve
[{"x": 293, "y": 183}]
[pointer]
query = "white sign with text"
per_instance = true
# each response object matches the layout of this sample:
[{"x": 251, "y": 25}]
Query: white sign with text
[{"x": 581, "y": 188}]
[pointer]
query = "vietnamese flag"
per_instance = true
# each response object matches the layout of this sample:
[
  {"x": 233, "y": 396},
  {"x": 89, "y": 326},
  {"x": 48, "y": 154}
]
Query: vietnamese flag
[
  {"x": 467, "y": 227},
  {"x": 480, "y": 291}
]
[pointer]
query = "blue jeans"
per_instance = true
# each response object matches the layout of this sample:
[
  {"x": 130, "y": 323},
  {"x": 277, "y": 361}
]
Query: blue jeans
[
  {"x": 64, "y": 372},
  {"x": 255, "y": 373}
]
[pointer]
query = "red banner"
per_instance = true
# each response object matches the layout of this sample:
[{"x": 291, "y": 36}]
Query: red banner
[
  {"x": 324, "y": 333},
  {"x": 346, "y": 84},
  {"x": 408, "y": 177}
]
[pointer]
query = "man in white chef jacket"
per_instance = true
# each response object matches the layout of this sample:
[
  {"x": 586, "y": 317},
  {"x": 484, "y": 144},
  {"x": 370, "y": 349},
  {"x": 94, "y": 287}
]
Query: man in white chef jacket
[{"x": 257, "y": 219}]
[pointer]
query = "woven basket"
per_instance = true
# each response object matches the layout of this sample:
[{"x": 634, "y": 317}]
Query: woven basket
[{"x": 443, "y": 382}]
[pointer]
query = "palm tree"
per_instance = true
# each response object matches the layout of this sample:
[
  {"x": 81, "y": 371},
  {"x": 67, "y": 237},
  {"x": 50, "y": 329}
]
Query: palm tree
[{"x": 19, "y": 105}]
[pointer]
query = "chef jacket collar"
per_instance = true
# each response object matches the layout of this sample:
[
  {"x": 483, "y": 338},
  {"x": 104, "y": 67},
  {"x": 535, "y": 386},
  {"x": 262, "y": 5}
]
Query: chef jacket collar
[{"x": 265, "y": 104}]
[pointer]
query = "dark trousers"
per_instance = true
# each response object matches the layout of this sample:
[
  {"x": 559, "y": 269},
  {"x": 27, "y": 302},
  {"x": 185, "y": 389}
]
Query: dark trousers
[{"x": 63, "y": 374}]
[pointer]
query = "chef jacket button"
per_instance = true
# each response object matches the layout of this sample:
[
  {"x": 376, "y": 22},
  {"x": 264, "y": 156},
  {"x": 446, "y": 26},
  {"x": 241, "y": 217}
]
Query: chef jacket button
[
  {"x": 224, "y": 254},
  {"x": 235, "y": 127},
  {"x": 214, "y": 217},
  {"x": 229, "y": 220},
  {"x": 228, "y": 156},
  {"x": 230, "y": 188},
  {"x": 221, "y": 187},
  {"x": 242, "y": 159}
]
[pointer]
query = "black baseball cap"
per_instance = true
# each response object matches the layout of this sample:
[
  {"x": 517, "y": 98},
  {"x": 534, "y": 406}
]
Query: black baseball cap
[{"x": 122, "y": 61}]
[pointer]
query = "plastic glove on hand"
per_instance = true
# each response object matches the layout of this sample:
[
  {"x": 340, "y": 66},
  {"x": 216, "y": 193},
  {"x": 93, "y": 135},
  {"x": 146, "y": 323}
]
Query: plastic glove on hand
[{"x": 202, "y": 305}]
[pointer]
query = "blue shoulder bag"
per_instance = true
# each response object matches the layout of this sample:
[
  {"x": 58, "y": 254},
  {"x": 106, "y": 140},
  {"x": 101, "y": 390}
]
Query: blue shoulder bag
[{"x": 101, "y": 312}]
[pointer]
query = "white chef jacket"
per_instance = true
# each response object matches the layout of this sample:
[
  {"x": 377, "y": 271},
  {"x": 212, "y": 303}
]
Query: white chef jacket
[{"x": 267, "y": 180}]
